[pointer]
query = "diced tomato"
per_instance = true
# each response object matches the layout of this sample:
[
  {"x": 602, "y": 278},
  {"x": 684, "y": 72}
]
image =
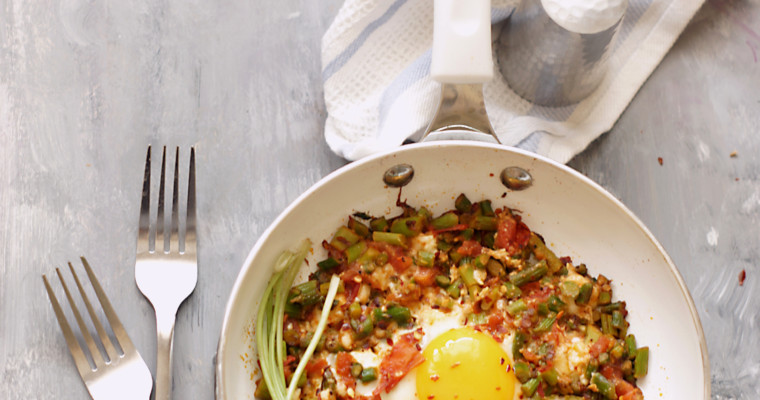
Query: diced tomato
[
  {"x": 541, "y": 390},
  {"x": 352, "y": 289},
  {"x": 470, "y": 248},
  {"x": 623, "y": 387},
  {"x": 601, "y": 345},
  {"x": 396, "y": 255},
  {"x": 350, "y": 273},
  {"x": 529, "y": 355},
  {"x": 349, "y": 277},
  {"x": 506, "y": 231},
  {"x": 400, "y": 263},
  {"x": 343, "y": 368},
  {"x": 511, "y": 234},
  {"x": 496, "y": 326},
  {"x": 612, "y": 372},
  {"x": 635, "y": 394},
  {"x": 495, "y": 321},
  {"x": 403, "y": 357},
  {"x": 407, "y": 296},
  {"x": 530, "y": 288},
  {"x": 534, "y": 293},
  {"x": 316, "y": 367},
  {"x": 425, "y": 276},
  {"x": 289, "y": 366},
  {"x": 522, "y": 236},
  {"x": 387, "y": 248}
]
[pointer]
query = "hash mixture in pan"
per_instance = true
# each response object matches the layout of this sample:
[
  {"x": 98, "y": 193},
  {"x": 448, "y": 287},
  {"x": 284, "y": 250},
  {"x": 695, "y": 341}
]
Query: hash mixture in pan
[{"x": 469, "y": 304}]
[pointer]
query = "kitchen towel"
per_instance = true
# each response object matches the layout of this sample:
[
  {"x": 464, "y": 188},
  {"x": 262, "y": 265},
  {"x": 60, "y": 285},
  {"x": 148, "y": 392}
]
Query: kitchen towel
[{"x": 378, "y": 93}]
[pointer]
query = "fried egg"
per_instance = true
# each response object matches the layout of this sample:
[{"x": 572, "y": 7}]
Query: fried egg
[{"x": 454, "y": 354}]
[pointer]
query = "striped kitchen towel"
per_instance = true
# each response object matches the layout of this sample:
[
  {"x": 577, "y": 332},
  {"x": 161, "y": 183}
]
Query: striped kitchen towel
[{"x": 378, "y": 93}]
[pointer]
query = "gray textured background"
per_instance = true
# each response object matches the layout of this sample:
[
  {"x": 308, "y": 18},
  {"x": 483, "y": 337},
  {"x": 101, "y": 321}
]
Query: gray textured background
[{"x": 85, "y": 86}]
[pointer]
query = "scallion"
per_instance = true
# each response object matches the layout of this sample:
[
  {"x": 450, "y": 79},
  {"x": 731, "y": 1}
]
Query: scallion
[{"x": 270, "y": 319}]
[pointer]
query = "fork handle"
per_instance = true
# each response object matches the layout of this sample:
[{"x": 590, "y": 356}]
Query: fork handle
[{"x": 164, "y": 345}]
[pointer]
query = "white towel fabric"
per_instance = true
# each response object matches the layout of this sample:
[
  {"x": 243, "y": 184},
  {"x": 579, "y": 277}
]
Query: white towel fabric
[{"x": 376, "y": 64}]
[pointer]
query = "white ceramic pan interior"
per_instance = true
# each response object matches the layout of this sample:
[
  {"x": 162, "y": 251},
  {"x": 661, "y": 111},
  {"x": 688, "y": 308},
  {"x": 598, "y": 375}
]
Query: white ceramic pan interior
[{"x": 576, "y": 217}]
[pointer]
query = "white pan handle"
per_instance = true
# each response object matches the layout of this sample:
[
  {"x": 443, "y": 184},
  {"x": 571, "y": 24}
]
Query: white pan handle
[{"x": 462, "y": 41}]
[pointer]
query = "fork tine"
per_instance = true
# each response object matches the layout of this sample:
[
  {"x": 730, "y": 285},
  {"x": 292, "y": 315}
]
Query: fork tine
[
  {"x": 182, "y": 264},
  {"x": 71, "y": 341},
  {"x": 104, "y": 339},
  {"x": 160, "y": 221},
  {"x": 143, "y": 233},
  {"x": 174, "y": 235},
  {"x": 190, "y": 240},
  {"x": 89, "y": 341},
  {"x": 118, "y": 329}
]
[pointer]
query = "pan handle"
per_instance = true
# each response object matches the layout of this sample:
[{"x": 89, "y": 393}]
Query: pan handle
[
  {"x": 462, "y": 41},
  {"x": 461, "y": 62}
]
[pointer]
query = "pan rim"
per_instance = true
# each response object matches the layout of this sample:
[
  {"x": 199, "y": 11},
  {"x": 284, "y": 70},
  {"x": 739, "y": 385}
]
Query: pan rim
[{"x": 238, "y": 285}]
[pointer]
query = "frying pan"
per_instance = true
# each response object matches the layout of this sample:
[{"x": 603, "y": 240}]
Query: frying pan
[{"x": 577, "y": 217}]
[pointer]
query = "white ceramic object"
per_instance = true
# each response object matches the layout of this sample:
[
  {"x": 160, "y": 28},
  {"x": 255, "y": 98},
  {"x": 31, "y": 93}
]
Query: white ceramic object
[
  {"x": 585, "y": 16},
  {"x": 461, "y": 41},
  {"x": 576, "y": 216}
]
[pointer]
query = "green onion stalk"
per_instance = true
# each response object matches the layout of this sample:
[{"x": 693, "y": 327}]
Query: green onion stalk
[{"x": 270, "y": 320}]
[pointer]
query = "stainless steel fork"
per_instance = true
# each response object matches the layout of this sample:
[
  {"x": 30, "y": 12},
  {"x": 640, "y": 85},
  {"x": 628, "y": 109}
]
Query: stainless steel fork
[
  {"x": 124, "y": 375},
  {"x": 166, "y": 274}
]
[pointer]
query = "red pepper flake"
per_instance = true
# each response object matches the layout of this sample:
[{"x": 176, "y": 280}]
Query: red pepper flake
[
  {"x": 503, "y": 195},
  {"x": 498, "y": 388},
  {"x": 659, "y": 160},
  {"x": 431, "y": 396},
  {"x": 456, "y": 364},
  {"x": 742, "y": 277},
  {"x": 491, "y": 174},
  {"x": 418, "y": 347},
  {"x": 434, "y": 377},
  {"x": 502, "y": 361},
  {"x": 389, "y": 341},
  {"x": 509, "y": 368}
]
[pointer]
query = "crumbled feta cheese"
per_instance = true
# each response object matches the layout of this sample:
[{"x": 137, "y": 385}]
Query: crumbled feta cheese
[{"x": 480, "y": 275}]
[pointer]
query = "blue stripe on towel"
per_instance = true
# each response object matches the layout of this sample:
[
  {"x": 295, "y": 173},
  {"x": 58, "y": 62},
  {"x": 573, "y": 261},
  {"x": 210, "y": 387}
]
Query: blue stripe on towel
[
  {"x": 417, "y": 70},
  {"x": 352, "y": 48},
  {"x": 531, "y": 142}
]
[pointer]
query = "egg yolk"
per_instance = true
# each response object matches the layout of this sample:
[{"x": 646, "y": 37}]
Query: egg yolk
[{"x": 464, "y": 364}]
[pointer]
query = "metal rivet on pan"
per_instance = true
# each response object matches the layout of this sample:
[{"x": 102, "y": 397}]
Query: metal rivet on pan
[
  {"x": 516, "y": 178},
  {"x": 398, "y": 175}
]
